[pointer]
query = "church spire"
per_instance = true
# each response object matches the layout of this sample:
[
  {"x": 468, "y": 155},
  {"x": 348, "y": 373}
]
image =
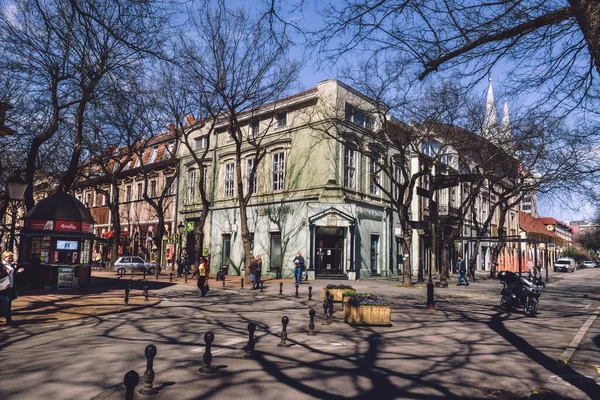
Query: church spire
[
  {"x": 490, "y": 120},
  {"x": 506, "y": 137}
]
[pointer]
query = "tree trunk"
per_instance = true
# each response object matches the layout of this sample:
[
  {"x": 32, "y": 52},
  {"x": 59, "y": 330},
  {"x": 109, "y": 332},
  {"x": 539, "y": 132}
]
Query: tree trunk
[
  {"x": 115, "y": 220},
  {"x": 501, "y": 242},
  {"x": 406, "y": 249},
  {"x": 587, "y": 14},
  {"x": 473, "y": 259}
]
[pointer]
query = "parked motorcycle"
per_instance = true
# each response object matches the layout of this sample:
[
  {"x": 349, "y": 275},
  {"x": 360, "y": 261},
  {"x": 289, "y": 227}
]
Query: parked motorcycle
[{"x": 520, "y": 292}]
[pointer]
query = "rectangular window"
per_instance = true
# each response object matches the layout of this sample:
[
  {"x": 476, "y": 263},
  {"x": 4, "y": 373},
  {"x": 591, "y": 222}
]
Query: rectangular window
[
  {"x": 281, "y": 119},
  {"x": 140, "y": 191},
  {"x": 398, "y": 177},
  {"x": 278, "y": 171},
  {"x": 97, "y": 199},
  {"x": 88, "y": 200},
  {"x": 358, "y": 117},
  {"x": 374, "y": 178},
  {"x": 374, "y": 253},
  {"x": 254, "y": 129},
  {"x": 250, "y": 182},
  {"x": 169, "y": 184},
  {"x": 229, "y": 179},
  {"x": 201, "y": 143},
  {"x": 128, "y": 193},
  {"x": 153, "y": 155},
  {"x": 205, "y": 178},
  {"x": 105, "y": 199},
  {"x": 275, "y": 261},
  {"x": 349, "y": 167},
  {"x": 192, "y": 186},
  {"x": 152, "y": 189},
  {"x": 170, "y": 149},
  {"x": 226, "y": 250}
]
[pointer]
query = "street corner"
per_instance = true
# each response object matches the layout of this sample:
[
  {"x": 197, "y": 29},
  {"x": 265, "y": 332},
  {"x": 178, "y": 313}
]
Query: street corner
[{"x": 57, "y": 307}]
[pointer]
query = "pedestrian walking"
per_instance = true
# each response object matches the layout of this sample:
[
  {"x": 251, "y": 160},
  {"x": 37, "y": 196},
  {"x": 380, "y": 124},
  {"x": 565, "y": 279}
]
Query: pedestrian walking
[
  {"x": 252, "y": 267},
  {"x": 298, "y": 268},
  {"x": 530, "y": 267},
  {"x": 202, "y": 271},
  {"x": 258, "y": 269},
  {"x": 185, "y": 261},
  {"x": 462, "y": 271},
  {"x": 7, "y": 285}
]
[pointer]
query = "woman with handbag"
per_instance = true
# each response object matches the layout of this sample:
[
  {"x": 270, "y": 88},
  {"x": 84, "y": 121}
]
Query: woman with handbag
[{"x": 7, "y": 285}]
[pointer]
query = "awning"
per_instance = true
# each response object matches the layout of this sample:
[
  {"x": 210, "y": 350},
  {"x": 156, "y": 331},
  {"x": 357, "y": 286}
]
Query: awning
[{"x": 111, "y": 234}]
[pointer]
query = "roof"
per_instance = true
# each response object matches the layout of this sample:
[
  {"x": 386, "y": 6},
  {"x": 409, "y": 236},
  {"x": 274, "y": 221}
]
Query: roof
[
  {"x": 547, "y": 220},
  {"x": 533, "y": 225},
  {"x": 60, "y": 206}
]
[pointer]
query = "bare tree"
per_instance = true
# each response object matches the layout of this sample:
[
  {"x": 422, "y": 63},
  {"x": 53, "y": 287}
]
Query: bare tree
[
  {"x": 60, "y": 52},
  {"x": 234, "y": 66},
  {"x": 550, "y": 48}
]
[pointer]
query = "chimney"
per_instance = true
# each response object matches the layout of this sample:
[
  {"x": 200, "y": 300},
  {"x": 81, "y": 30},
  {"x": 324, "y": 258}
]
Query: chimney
[
  {"x": 190, "y": 120},
  {"x": 170, "y": 127}
]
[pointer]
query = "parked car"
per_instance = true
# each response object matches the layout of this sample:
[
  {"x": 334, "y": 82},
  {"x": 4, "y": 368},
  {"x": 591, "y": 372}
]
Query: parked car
[
  {"x": 564, "y": 265},
  {"x": 133, "y": 263},
  {"x": 588, "y": 264}
]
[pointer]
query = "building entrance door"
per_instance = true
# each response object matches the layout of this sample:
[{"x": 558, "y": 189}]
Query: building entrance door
[{"x": 329, "y": 252}]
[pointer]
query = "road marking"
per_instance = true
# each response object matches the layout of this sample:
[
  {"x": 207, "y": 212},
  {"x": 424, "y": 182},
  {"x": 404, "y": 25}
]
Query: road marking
[{"x": 568, "y": 353}]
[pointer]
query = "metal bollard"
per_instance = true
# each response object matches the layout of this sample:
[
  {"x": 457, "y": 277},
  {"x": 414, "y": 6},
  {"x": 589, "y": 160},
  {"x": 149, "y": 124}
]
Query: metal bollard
[
  {"x": 325, "y": 307},
  {"x": 296, "y": 290},
  {"x": 185, "y": 277},
  {"x": 171, "y": 277},
  {"x": 150, "y": 353},
  {"x": 283, "y": 343},
  {"x": 310, "y": 293},
  {"x": 311, "y": 324},
  {"x": 281, "y": 288},
  {"x": 130, "y": 381},
  {"x": 132, "y": 274},
  {"x": 242, "y": 282},
  {"x": 144, "y": 278},
  {"x": 206, "y": 368},
  {"x": 223, "y": 280},
  {"x": 157, "y": 272},
  {"x": 146, "y": 293},
  {"x": 127, "y": 295},
  {"x": 331, "y": 306},
  {"x": 262, "y": 285},
  {"x": 251, "y": 344}
]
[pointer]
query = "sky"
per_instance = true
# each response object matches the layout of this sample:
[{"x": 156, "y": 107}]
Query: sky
[{"x": 311, "y": 73}]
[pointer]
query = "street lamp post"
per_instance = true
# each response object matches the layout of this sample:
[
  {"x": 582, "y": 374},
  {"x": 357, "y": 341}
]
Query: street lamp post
[
  {"x": 180, "y": 230},
  {"x": 16, "y": 189}
]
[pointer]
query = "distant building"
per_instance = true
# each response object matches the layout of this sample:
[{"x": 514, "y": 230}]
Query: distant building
[{"x": 581, "y": 227}]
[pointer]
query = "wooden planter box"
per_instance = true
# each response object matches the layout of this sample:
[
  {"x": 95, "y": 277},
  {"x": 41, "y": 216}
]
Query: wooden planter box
[
  {"x": 337, "y": 293},
  {"x": 368, "y": 315}
]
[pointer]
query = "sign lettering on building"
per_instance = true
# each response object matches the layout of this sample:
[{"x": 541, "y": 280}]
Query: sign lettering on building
[
  {"x": 372, "y": 215},
  {"x": 68, "y": 226}
]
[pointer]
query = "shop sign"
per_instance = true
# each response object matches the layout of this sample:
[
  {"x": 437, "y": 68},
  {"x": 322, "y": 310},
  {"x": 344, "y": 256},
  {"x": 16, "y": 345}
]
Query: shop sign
[
  {"x": 66, "y": 270},
  {"x": 373, "y": 215},
  {"x": 88, "y": 228},
  {"x": 42, "y": 225},
  {"x": 190, "y": 226},
  {"x": 69, "y": 226},
  {"x": 205, "y": 252}
]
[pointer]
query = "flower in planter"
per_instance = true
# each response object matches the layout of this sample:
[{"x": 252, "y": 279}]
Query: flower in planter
[
  {"x": 367, "y": 301},
  {"x": 349, "y": 293},
  {"x": 338, "y": 286}
]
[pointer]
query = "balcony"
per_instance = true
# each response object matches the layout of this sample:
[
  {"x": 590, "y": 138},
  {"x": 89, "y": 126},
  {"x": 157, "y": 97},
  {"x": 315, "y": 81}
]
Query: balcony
[{"x": 447, "y": 214}]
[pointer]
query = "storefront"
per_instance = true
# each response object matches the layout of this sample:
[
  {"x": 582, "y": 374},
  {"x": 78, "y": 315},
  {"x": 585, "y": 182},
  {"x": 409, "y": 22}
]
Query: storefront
[{"x": 56, "y": 243}]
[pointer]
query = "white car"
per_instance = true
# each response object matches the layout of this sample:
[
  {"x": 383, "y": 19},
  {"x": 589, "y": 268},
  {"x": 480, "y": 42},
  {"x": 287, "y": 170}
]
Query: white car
[
  {"x": 565, "y": 264},
  {"x": 133, "y": 263},
  {"x": 588, "y": 264}
]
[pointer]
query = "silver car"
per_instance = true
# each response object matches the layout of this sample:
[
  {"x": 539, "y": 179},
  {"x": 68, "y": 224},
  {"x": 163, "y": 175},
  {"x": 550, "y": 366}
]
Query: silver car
[{"x": 133, "y": 263}]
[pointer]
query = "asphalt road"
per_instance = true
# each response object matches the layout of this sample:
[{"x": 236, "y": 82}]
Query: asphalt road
[{"x": 467, "y": 348}]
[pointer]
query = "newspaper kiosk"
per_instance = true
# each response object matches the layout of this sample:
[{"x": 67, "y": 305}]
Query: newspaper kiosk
[{"x": 56, "y": 243}]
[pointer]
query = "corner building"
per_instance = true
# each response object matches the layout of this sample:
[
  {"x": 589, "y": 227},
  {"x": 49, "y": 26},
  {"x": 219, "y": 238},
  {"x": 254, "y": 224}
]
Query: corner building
[{"x": 313, "y": 191}]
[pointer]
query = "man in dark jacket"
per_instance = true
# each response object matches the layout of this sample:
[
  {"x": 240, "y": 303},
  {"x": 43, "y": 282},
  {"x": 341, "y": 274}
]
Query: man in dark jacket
[
  {"x": 462, "y": 271},
  {"x": 298, "y": 267}
]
